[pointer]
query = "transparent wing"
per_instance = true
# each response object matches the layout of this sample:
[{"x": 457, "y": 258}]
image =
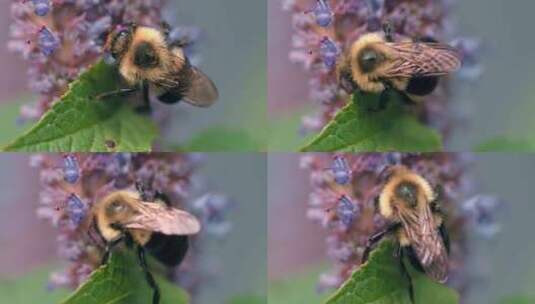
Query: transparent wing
[
  {"x": 409, "y": 59},
  {"x": 426, "y": 243},
  {"x": 160, "y": 218},
  {"x": 202, "y": 92}
]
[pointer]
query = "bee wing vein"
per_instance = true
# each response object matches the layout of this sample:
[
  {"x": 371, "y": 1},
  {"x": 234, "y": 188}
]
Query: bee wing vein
[{"x": 421, "y": 59}]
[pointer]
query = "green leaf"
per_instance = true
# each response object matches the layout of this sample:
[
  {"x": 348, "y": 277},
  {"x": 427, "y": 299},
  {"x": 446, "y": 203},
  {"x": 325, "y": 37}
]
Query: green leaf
[
  {"x": 31, "y": 288},
  {"x": 297, "y": 288},
  {"x": 220, "y": 139},
  {"x": 284, "y": 131},
  {"x": 356, "y": 128},
  {"x": 518, "y": 300},
  {"x": 504, "y": 144},
  {"x": 381, "y": 281},
  {"x": 248, "y": 299},
  {"x": 122, "y": 281},
  {"x": 79, "y": 122}
]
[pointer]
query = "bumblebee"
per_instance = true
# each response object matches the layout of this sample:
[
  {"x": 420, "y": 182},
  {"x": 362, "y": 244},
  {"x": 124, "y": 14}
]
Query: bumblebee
[
  {"x": 148, "y": 60},
  {"x": 412, "y": 208},
  {"x": 375, "y": 63},
  {"x": 126, "y": 216}
]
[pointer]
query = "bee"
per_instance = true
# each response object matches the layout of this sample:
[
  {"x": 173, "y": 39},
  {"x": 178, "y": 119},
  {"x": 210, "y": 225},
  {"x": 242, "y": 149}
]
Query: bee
[
  {"x": 126, "y": 216},
  {"x": 375, "y": 63},
  {"x": 412, "y": 207},
  {"x": 148, "y": 60}
]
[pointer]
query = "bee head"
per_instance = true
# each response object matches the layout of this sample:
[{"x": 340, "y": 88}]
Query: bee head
[
  {"x": 368, "y": 59},
  {"x": 119, "y": 41},
  {"x": 118, "y": 210}
]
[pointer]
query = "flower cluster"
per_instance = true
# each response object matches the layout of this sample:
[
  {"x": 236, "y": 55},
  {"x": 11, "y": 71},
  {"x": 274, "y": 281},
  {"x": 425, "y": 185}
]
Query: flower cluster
[
  {"x": 61, "y": 38},
  {"x": 342, "y": 201},
  {"x": 73, "y": 183},
  {"x": 324, "y": 29}
]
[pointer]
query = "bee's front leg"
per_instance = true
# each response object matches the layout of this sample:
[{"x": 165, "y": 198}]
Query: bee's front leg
[
  {"x": 374, "y": 239},
  {"x": 119, "y": 92},
  {"x": 145, "y": 108},
  {"x": 406, "y": 274},
  {"x": 108, "y": 249},
  {"x": 148, "y": 275}
]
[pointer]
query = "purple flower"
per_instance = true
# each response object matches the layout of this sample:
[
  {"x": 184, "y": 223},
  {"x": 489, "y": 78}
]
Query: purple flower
[
  {"x": 47, "y": 42},
  {"x": 76, "y": 210},
  {"x": 71, "y": 170},
  {"x": 329, "y": 52},
  {"x": 323, "y": 13},
  {"x": 481, "y": 211},
  {"x": 42, "y": 7},
  {"x": 340, "y": 169},
  {"x": 348, "y": 213},
  {"x": 319, "y": 40}
]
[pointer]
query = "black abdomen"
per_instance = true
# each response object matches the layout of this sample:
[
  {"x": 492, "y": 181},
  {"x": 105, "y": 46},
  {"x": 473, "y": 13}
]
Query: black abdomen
[
  {"x": 422, "y": 85},
  {"x": 168, "y": 249},
  {"x": 183, "y": 80}
]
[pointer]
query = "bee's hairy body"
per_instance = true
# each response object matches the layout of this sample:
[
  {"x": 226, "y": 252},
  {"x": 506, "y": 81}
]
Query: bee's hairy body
[
  {"x": 411, "y": 207},
  {"x": 151, "y": 225},
  {"x": 116, "y": 209},
  {"x": 146, "y": 58},
  {"x": 374, "y": 64}
]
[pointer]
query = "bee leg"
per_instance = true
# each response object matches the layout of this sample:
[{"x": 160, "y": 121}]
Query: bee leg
[
  {"x": 148, "y": 275},
  {"x": 119, "y": 92},
  {"x": 109, "y": 248},
  {"x": 383, "y": 101},
  {"x": 166, "y": 28},
  {"x": 374, "y": 239},
  {"x": 145, "y": 108},
  {"x": 406, "y": 274}
]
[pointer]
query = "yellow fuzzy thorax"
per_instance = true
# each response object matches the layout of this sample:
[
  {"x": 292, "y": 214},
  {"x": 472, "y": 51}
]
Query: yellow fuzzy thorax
[
  {"x": 370, "y": 81},
  {"x": 401, "y": 174},
  {"x": 168, "y": 60},
  {"x": 130, "y": 199}
]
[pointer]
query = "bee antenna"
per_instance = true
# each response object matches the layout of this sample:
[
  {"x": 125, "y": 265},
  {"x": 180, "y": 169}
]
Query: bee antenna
[
  {"x": 166, "y": 28},
  {"x": 388, "y": 29}
]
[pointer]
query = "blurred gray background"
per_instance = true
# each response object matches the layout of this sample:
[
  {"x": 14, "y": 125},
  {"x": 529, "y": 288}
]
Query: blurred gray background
[
  {"x": 239, "y": 259},
  {"x": 502, "y": 267},
  {"x": 500, "y": 103},
  {"x": 234, "y": 54}
]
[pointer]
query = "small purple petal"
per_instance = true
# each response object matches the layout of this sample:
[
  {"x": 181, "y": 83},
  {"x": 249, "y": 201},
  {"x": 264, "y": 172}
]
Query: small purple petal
[
  {"x": 323, "y": 13},
  {"x": 71, "y": 170},
  {"x": 346, "y": 210},
  {"x": 75, "y": 209},
  {"x": 481, "y": 210},
  {"x": 42, "y": 7},
  {"x": 341, "y": 170},
  {"x": 47, "y": 42},
  {"x": 329, "y": 52}
]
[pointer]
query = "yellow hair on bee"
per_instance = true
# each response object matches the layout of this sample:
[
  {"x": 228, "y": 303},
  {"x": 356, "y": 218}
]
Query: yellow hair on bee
[
  {"x": 402, "y": 237},
  {"x": 366, "y": 81},
  {"x": 167, "y": 59},
  {"x": 401, "y": 174}
]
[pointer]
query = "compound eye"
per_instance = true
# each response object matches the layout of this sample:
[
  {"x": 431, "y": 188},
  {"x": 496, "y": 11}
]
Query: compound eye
[
  {"x": 368, "y": 60},
  {"x": 120, "y": 43}
]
